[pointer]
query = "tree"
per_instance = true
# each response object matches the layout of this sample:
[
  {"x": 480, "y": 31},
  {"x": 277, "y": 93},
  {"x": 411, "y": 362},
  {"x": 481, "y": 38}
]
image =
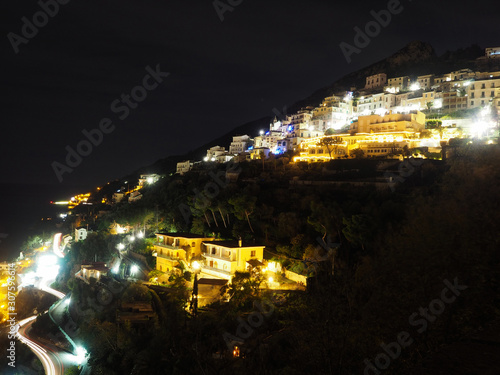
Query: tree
[
  {"x": 358, "y": 153},
  {"x": 244, "y": 287},
  {"x": 359, "y": 229},
  {"x": 136, "y": 292},
  {"x": 243, "y": 206},
  {"x": 331, "y": 144}
]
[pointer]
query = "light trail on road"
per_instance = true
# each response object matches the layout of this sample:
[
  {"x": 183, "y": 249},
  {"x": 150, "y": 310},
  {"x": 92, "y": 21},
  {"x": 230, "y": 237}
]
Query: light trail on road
[{"x": 41, "y": 353}]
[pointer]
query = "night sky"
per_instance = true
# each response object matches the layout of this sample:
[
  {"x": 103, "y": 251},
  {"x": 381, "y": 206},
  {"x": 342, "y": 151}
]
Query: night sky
[{"x": 263, "y": 55}]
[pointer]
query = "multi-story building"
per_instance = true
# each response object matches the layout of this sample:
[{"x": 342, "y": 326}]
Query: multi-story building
[
  {"x": 223, "y": 258},
  {"x": 214, "y": 153},
  {"x": 376, "y": 81},
  {"x": 375, "y": 135},
  {"x": 239, "y": 144},
  {"x": 462, "y": 74},
  {"x": 184, "y": 166},
  {"x": 483, "y": 92},
  {"x": 117, "y": 197},
  {"x": 414, "y": 122},
  {"x": 376, "y": 103},
  {"x": 453, "y": 100},
  {"x": 425, "y": 82},
  {"x": 335, "y": 111},
  {"x": 492, "y": 52},
  {"x": 398, "y": 83},
  {"x": 150, "y": 179},
  {"x": 174, "y": 248}
]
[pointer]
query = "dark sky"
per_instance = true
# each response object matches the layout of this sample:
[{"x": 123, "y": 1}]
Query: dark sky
[{"x": 264, "y": 54}]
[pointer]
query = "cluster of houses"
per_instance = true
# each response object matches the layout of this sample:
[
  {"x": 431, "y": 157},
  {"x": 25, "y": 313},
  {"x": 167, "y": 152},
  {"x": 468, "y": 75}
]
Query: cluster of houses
[
  {"x": 383, "y": 115},
  {"x": 133, "y": 194},
  {"x": 214, "y": 259}
]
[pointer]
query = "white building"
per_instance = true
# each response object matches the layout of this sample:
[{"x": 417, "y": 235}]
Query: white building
[
  {"x": 148, "y": 179},
  {"x": 239, "y": 144},
  {"x": 184, "y": 166},
  {"x": 214, "y": 152},
  {"x": 398, "y": 83},
  {"x": 493, "y": 52},
  {"x": 80, "y": 234},
  {"x": 483, "y": 92}
]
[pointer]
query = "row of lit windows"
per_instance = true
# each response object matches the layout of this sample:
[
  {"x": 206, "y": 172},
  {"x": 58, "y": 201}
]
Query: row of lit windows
[{"x": 492, "y": 94}]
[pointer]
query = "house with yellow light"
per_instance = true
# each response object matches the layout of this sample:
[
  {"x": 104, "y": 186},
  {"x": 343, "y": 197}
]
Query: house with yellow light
[
  {"x": 170, "y": 249},
  {"x": 375, "y": 135},
  {"x": 223, "y": 258}
]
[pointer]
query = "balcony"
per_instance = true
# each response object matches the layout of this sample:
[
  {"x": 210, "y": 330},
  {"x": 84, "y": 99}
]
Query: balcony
[
  {"x": 164, "y": 256},
  {"x": 216, "y": 272},
  {"x": 171, "y": 247},
  {"x": 231, "y": 258}
]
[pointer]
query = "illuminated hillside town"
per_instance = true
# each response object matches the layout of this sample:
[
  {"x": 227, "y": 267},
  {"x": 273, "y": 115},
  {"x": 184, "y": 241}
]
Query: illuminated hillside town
[
  {"x": 388, "y": 114},
  {"x": 294, "y": 231}
]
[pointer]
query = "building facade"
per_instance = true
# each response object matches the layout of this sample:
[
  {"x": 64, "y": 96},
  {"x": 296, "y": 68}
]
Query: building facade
[
  {"x": 223, "y": 258},
  {"x": 170, "y": 249}
]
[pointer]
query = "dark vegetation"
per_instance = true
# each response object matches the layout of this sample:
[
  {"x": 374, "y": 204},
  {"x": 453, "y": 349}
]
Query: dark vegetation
[{"x": 390, "y": 254}]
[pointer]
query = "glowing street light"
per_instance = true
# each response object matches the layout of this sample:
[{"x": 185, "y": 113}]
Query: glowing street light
[
  {"x": 81, "y": 354},
  {"x": 120, "y": 246},
  {"x": 140, "y": 235},
  {"x": 196, "y": 265},
  {"x": 134, "y": 269},
  {"x": 131, "y": 238}
]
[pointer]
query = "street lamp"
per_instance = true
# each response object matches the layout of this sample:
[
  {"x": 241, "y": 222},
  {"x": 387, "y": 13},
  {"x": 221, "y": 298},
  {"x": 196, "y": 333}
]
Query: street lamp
[
  {"x": 120, "y": 246},
  {"x": 134, "y": 269},
  {"x": 81, "y": 353}
]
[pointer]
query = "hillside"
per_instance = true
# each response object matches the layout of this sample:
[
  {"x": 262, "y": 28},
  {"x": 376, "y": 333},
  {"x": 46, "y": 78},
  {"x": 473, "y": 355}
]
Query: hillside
[{"x": 415, "y": 59}]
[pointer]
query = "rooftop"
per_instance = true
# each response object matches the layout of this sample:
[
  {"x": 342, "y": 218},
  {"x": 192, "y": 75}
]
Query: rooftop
[{"x": 181, "y": 235}]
